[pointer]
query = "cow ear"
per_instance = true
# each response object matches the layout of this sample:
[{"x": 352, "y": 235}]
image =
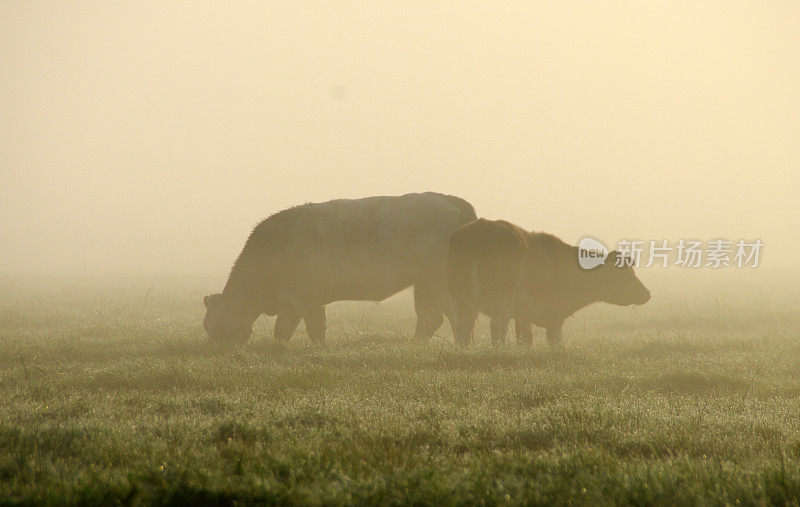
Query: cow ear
[{"x": 206, "y": 300}]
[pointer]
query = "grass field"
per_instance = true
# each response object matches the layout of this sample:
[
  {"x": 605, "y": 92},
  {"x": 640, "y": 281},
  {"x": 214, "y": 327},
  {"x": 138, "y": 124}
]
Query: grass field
[{"x": 109, "y": 394}]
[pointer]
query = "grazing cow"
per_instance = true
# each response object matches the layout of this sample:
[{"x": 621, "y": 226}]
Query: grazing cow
[
  {"x": 300, "y": 259},
  {"x": 504, "y": 271}
]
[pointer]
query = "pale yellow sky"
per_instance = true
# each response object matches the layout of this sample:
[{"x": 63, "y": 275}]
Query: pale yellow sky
[{"x": 151, "y": 136}]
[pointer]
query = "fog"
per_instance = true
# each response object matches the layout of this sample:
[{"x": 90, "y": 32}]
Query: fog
[{"x": 151, "y": 137}]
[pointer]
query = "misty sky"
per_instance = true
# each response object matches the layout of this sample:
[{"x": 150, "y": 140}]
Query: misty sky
[{"x": 151, "y": 136}]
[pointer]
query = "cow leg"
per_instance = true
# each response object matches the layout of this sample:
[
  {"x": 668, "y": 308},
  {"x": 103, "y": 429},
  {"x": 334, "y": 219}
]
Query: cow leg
[
  {"x": 498, "y": 326},
  {"x": 447, "y": 309},
  {"x": 462, "y": 285},
  {"x": 286, "y": 323},
  {"x": 429, "y": 313},
  {"x": 464, "y": 316},
  {"x": 554, "y": 334},
  {"x": 524, "y": 331},
  {"x": 451, "y": 319},
  {"x": 315, "y": 324}
]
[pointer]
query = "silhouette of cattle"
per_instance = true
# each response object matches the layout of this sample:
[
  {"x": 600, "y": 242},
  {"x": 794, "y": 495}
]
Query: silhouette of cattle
[
  {"x": 504, "y": 271},
  {"x": 300, "y": 259}
]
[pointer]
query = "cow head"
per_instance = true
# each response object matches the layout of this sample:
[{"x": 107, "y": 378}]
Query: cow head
[
  {"x": 619, "y": 285},
  {"x": 225, "y": 321}
]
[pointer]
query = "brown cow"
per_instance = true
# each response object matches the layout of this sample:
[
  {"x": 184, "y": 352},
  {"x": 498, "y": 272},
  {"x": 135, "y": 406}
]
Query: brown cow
[
  {"x": 504, "y": 271},
  {"x": 300, "y": 259}
]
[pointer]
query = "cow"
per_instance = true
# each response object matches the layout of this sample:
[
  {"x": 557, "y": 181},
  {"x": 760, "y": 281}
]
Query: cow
[
  {"x": 302, "y": 258},
  {"x": 504, "y": 271}
]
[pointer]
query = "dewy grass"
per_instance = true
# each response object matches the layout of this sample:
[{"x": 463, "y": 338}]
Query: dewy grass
[{"x": 693, "y": 398}]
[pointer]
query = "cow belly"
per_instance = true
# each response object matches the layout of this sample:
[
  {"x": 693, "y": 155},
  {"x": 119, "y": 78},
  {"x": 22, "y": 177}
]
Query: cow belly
[
  {"x": 538, "y": 311},
  {"x": 364, "y": 283},
  {"x": 365, "y": 291}
]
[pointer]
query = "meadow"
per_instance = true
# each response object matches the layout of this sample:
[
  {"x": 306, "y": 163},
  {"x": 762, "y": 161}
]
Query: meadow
[{"x": 109, "y": 394}]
